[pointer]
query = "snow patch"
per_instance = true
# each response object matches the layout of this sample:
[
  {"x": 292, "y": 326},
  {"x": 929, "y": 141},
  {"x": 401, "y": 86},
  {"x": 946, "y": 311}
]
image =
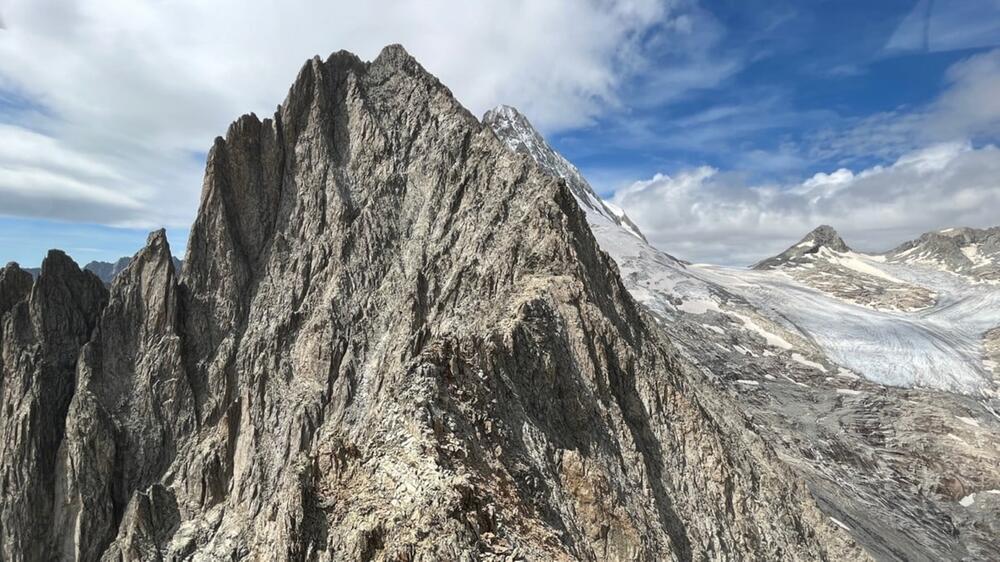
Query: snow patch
[
  {"x": 699, "y": 306},
  {"x": 967, "y": 421},
  {"x": 803, "y": 361},
  {"x": 847, "y": 374},
  {"x": 859, "y": 263},
  {"x": 771, "y": 338},
  {"x": 840, "y": 523}
]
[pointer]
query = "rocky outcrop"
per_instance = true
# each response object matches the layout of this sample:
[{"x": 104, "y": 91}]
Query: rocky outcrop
[
  {"x": 971, "y": 252},
  {"x": 823, "y": 236},
  {"x": 132, "y": 410},
  {"x": 42, "y": 332},
  {"x": 823, "y": 261},
  {"x": 107, "y": 271},
  {"x": 395, "y": 339},
  {"x": 15, "y": 285}
]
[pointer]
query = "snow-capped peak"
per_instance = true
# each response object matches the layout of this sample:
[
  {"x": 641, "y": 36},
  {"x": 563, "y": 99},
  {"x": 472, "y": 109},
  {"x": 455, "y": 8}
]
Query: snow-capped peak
[
  {"x": 514, "y": 129},
  {"x": 823, "y": 236}
]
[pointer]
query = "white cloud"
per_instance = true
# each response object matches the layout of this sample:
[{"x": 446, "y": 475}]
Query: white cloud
[
  {"x": 704, "y": 215},
  {"x": 971, "y": 104},
  {"x": 968, "y": 108},
  {"x": 137, "y": 89}
]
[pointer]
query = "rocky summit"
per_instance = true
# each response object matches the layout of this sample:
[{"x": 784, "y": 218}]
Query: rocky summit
[
  {"x": 393, "y": 339},
  {"x": 822, "y": 237}
]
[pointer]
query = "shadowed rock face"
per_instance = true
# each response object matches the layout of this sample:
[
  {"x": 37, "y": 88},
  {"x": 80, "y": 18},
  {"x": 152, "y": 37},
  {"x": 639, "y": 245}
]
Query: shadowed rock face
[
  {"x": 913, "y": 473},
  {"x": 395, "y": 339},
  {"x": 43, "y": 327}
]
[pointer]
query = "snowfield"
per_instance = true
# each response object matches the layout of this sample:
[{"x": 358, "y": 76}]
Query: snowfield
[
  {"x": 905, "y": 318},
  {"x": 939, "y": 346}
]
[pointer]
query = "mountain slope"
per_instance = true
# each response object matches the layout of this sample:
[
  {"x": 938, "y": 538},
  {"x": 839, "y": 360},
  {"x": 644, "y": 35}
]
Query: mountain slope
[
  {"x": 43, "y": 327},
  {"x": 821, "y": 237},
  {"x": 970, "y": 252},
  {"x": 395, "y": 339},
  {"x": 519, "y": 135},
  {"x": 823, "y": 261},
  {"x": 910, "y": 473}
]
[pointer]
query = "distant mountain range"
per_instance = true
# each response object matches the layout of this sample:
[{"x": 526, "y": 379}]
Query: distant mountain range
[{"x": 105, "y": 271}]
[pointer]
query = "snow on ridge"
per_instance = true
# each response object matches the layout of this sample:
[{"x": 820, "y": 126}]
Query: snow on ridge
[{"x": 938, "y": 346}]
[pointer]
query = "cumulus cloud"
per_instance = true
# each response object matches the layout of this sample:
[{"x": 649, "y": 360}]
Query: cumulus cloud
[
  {"x": 137, "y": 90},
  {"x": 705, "y": 215}
]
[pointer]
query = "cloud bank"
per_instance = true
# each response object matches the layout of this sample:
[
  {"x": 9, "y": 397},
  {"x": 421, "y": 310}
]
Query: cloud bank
[
  {"x": 939, "y": 177},
  {"x": 708, "y": 216}
]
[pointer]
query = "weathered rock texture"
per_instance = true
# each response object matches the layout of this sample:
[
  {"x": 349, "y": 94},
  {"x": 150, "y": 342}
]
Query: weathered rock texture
[
  {"x": 393, "y": 339},
  {"x": 972, "y": 252},
  {"x": 43, "y": 327},
  {"x": 823, "y": 261}
]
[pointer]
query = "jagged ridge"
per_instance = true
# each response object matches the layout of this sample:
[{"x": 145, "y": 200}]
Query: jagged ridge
[{"x": 395, "y": 339}]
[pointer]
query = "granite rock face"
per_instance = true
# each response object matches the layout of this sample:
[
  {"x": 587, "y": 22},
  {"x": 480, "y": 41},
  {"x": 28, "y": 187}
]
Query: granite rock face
[
  {"x": 393, "y": 339},
  {"x": 514, "y": 130},
  {"x": 43, "y": 328}
]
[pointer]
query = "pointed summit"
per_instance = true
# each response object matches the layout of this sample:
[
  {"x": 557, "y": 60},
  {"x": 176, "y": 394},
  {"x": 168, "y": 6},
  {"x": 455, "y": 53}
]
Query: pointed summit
[
  {"x": 514, "y": 129},
  {"x": 823, "y": 236},
  {"x": 394, "y": 338}
]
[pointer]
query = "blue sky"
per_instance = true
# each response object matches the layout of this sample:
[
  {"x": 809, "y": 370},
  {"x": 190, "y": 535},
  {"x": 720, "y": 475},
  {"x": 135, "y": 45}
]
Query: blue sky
[
  {"x": 791, "y": 71},
  {"x": 726, "y": 129}
]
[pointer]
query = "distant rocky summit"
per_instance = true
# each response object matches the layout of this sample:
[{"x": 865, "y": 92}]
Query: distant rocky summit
[
  {"x": 821, "y": 237},
  {"x": 971, "y": 252},
  {"x": 105, "y": 271},
  {"x": 824, "y": 261},
  {"x": 393, "y": 339}
]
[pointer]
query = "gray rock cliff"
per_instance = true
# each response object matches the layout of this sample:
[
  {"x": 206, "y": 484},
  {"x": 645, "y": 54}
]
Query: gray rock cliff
[
  {"x": 43, "y": 328},
  {"x": 393, "y": 339}
]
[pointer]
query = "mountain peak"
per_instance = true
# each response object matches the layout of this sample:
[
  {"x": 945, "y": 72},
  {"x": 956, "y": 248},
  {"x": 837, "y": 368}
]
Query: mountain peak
[
  {"x": 823, "y": 236},
  {"x": 396, "y": 309},
  {"x": 963, "y": 250},
  {"x": 502, "y": 113},
  {"x": 516, "y": 131}
]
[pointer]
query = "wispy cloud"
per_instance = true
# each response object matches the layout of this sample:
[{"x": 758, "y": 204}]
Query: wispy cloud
[
  {"x": 967, "y": 108},
  {"x": 935, "y": 178},
  {"x": 947, "y": 26}
]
